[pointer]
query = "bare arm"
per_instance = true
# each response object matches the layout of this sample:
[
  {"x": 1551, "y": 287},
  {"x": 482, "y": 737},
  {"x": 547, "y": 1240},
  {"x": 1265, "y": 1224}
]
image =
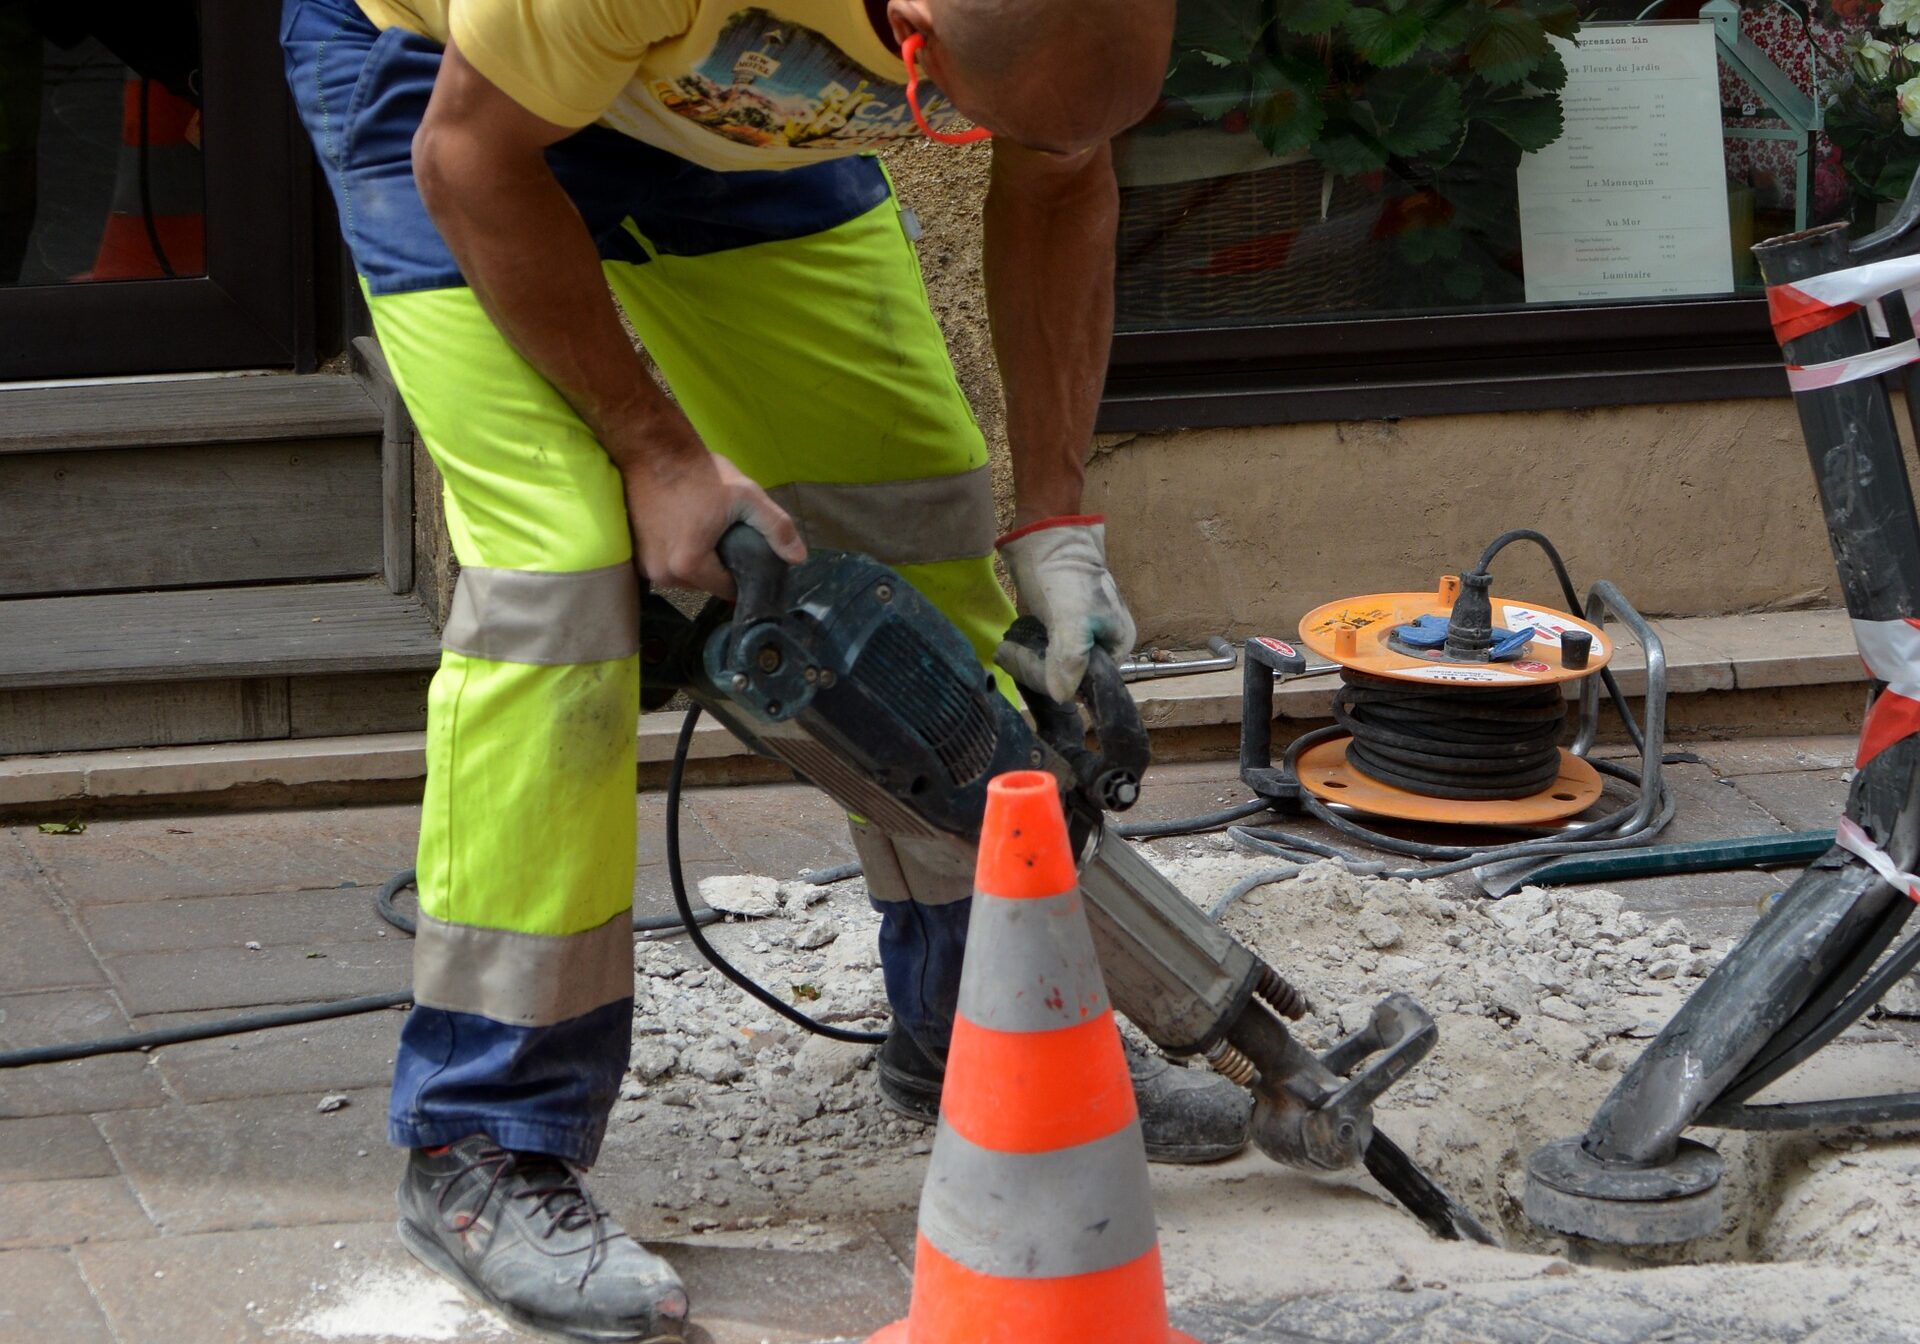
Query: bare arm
[
  {"x": 1050, "y": 223},
  {"x": 479, "y": 160}
]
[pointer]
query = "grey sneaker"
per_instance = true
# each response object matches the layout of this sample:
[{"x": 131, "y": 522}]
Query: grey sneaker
[
  {"x": 1186, "y": 1116},
  {"x": 520, "y": 1232}
]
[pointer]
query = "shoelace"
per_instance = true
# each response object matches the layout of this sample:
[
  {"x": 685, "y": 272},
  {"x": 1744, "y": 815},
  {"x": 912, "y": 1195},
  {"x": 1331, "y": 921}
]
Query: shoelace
[{"x": 564, "y": 1199}]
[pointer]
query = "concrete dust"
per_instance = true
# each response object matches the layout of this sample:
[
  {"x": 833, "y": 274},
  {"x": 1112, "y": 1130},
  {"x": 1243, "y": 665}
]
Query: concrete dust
[
  {"x": 744, "y": 1124},
  {"x": 402, "y": 1301}
]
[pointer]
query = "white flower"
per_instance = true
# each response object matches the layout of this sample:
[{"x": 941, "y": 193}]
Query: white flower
[
  {"x": 1872, "y": 58},
  {"x": 1901, "y": 13},
  {"x": 1908, "y": 96},
  {"x": 1911, "y": 53}
]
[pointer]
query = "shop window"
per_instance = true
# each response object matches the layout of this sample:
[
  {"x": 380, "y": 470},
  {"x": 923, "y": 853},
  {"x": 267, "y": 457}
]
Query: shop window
[{"x": 1398, "y": 206}]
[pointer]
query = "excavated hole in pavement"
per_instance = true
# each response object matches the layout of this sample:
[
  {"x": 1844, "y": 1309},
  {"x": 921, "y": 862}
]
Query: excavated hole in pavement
[{"x": 1541, "y": 999}]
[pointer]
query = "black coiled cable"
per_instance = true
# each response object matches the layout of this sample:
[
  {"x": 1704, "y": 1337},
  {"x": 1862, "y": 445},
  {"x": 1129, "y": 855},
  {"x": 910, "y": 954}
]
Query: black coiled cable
[{"x": 1465, "y": 742}]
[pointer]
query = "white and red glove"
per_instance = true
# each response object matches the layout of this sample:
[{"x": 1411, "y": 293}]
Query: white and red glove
[{"x": 1059, "y": 566}]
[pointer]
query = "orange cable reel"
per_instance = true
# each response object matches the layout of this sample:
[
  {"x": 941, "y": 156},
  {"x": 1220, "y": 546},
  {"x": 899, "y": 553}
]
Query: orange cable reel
[{"x": 1361, "y": 635}]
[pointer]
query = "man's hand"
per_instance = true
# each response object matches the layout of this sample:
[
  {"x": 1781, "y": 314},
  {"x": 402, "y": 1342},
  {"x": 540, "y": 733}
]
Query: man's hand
[
  {"x": 1060, "y": 567},
  {"x": 681, "y": 498}
]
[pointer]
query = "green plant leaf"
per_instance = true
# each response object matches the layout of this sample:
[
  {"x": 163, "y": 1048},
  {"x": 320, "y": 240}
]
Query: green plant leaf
[
  {"x": 1450, "y": 23},
  {"x": 1431, "y": 243},
  {"x": 1312, "y": 17},
  {"x": 1532, "y": 123},
  {"x": 1550, "y": 76},
  {"x": 1464, "y": 282},
  {"x": 1349, "y": 152},
  {"x": 1897, "y": 178},
  {"x": 1210, "y": 92},
  {"x": 1225, "y": 31},
  {"x": 1509, "y": 45},
  {"x": 1285, "y": 110},
  {"x": 1416, "y": 111},
  {"x": 1556, "y": 16},
  {"x": 1386, "y": 39}
]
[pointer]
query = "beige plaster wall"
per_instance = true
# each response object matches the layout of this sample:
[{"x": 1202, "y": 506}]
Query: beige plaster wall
[{"x": 1692, "y": 509}]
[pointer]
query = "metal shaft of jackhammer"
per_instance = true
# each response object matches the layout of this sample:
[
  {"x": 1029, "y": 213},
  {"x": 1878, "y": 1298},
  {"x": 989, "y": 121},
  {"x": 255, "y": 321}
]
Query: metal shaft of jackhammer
[{"x": 1853, "y": 443}]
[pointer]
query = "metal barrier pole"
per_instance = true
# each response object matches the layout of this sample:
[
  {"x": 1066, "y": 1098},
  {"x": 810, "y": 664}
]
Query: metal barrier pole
[{"x": 1633, "y": 1178}]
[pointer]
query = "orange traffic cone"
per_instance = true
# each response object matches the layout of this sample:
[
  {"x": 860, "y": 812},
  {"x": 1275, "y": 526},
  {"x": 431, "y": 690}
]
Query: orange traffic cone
[
  {"x": 156, "y": 225},
  {"x": 1036, "y": 1220}
]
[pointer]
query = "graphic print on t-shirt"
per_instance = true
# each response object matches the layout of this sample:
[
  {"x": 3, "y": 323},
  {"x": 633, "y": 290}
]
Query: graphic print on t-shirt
[{"x": 769, "y": 81}]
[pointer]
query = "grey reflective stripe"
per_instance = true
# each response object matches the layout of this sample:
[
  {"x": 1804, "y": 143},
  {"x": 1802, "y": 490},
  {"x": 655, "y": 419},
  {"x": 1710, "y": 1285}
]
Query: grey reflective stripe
[
  {"x": 912, "y": 522},
  {"x": 1075, "y": 1210},
  {"x": 523, "y": 979},
  {"x": 1038, "y": 968},
  {"x": 911, "y": 868},
  {"x": 524, "y": 616}
]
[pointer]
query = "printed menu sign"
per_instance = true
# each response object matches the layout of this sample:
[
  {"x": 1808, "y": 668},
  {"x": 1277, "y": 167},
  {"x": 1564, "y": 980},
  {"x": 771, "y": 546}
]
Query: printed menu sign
[{"x": 1631, "y": 202}]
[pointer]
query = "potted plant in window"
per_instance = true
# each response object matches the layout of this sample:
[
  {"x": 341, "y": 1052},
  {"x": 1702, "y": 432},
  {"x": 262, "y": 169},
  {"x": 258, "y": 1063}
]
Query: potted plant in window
[
  {"x": 1311, "y": 155},
  {"x": 1873, "y": 105}
]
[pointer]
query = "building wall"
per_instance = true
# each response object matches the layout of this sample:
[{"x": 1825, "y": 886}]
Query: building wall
[{"x": 1692, "y": 509}]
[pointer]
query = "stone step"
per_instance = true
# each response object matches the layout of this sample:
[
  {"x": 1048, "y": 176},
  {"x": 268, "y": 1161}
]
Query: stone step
[{"x": 1728, "y": 676}]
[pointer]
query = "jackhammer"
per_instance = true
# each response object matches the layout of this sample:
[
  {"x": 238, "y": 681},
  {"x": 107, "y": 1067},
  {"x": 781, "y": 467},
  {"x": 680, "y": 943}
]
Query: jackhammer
[
  {"x": 1819, "y": 957},
  {"x": 838, "y": 668}
]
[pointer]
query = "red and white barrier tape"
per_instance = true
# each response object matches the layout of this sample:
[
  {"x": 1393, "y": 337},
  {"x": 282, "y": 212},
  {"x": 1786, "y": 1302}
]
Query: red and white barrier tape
[
  {"x": 1851, "y": 838},
  {"x": 1891, "y": 651},
  {"x": 1821, "y": 300},
  {"x": 1813, "y": 377}
]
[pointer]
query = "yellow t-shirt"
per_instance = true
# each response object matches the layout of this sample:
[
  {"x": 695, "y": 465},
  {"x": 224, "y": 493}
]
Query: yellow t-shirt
[{"x": 725, "y": 84}]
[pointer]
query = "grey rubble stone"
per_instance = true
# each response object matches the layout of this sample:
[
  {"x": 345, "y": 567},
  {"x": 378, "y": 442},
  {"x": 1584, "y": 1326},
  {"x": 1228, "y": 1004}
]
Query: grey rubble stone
[
  {"x": 830, "y": 1062},
  {"x": 1521, "y": 909},
  {"x": 747, "y": 895},
  {"x": 816, "y": 933},
  {"x": 1512, "y": 996},
  {"x": 1379, "y": 930},
  {"x": 715, "y": 1061},
  {"x": 652, "y": 1058},
  {"x": 1663, "y": 970}
]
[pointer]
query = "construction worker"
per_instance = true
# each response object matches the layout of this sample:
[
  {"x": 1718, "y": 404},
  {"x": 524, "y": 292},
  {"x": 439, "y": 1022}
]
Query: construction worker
[{"x": 513, "y": 175}]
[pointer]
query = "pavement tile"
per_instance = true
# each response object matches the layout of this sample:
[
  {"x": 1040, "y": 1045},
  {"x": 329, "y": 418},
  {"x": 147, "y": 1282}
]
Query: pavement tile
[
  {"x": 292, "y": 918},
  {"x": 1804, "y": 800},
  {"x": 66, "y": 1213},
  {"x": 233, "y": 977},
  {"x": 1710, "y": 809},
  {"x": 225, "y": 854},
  {"x": 52, "y": 1148},
  {"x": 257, "y": 1162},
  {"x": 753, "y": 1296},
  {"x": 285, "y": 1285},
  {"x": 43, "y": 1300},
  {"x": 696, "y": 841},
  {"x": 42, "y": 949},
  {"x": 775, "y": 829},
  {"x": 1773, "y": 755},
  {"x": 342, "y": 1055},
  {"x": 105, "y": 1083},
  {"x": 653, "y": 889}
]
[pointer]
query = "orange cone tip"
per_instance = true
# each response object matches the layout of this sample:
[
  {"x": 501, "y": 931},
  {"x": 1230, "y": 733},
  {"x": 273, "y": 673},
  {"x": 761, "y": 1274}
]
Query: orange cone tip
[{"x": 1024, "y": 851}]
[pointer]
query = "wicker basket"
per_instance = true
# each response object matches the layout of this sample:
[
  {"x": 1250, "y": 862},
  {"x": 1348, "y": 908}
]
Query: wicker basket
[{"x": 1248, "y": 247}]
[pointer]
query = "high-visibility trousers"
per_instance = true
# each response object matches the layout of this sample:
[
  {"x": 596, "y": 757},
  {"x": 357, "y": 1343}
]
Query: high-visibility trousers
[{"x": 787, "y": 312}]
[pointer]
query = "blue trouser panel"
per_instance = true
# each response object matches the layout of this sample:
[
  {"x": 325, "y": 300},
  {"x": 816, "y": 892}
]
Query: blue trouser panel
[{"x": 548, "y": 1086}]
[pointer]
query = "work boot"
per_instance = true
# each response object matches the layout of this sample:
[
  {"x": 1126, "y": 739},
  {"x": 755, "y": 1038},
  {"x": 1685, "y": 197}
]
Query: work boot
[
  {"x": 1185, "y": 1116},
  {"x": 520, "y": 1232}
]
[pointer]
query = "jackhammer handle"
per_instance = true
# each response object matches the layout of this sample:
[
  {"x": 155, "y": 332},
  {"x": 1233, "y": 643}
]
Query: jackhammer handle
[{"x": 757, "y": 573}]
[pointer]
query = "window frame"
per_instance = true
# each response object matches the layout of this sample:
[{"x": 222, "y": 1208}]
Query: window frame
[
  {"x": 256, "y": 305},
  {"x": 1390, "y": 366}
]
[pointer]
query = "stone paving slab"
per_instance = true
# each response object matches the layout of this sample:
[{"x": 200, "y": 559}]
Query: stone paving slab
[
  {"x": 67, "y": 1213},
  {"x": 1806, "y": 800},
  {"x": 41, "y": 949},
  {"x": 1774, "y": 755},
  {"x": 43, "y": 1300},
  {"x": 774, "y": 829},
  {"x": 745, "y": 1295},
  {"x": 51, "y": 1148},
  {"x": 105, "y": 1083},
  {"x": 273, "y": 919},
  {"x": 260, "y": 1162},
  {"x": 225, "y": 854},
  {"x": 234, "y": 977},
  {"x": 344, "y": 1055}
]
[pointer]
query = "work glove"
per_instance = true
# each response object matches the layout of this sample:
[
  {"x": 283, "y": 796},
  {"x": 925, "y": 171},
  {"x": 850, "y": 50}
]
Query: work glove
[{"x": 1059, "y": 566}]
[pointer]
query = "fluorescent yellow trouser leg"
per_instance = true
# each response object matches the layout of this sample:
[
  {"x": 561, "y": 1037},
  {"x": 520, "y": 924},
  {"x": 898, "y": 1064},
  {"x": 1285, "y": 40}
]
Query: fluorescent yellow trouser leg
[
  {"x": 816, "y": 366},
  {"x": 523, "y": 963}
]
